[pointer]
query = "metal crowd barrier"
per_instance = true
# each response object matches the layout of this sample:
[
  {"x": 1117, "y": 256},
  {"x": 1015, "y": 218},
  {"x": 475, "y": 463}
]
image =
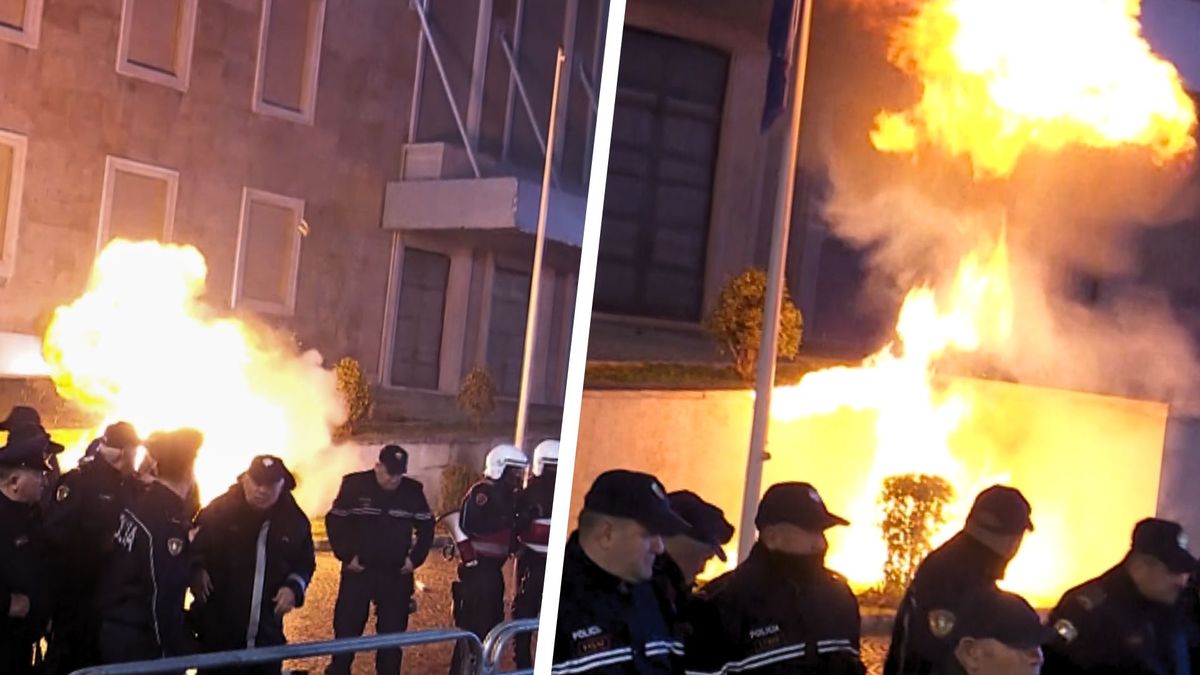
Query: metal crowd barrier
[
  {"x": 244, "y": 657},
  {"x": 498, "y": 638}
]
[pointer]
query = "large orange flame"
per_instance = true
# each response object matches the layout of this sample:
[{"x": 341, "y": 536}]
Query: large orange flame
[
  {"x": 141, "y": 346},
  {"x": 999, "y": 79}
]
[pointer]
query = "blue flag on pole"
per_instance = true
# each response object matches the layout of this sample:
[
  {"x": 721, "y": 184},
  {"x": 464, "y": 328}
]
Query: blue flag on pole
[{"x": 781, "y": 42}]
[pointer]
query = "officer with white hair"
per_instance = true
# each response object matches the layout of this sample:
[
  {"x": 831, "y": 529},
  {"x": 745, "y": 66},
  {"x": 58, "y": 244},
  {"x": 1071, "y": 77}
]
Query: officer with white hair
[
  {"x": 488, "y": 520},
  {"x": 534, "y": 506}
]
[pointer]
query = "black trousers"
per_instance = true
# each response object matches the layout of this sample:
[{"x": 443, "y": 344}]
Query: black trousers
[
  {"x": 527, "y": 604},
  {"x": 392, "y": 595},
  {"x": 73, "y": 643},
  {"x": 478, "y": 602},
  {"x": 16, "y": 654}
]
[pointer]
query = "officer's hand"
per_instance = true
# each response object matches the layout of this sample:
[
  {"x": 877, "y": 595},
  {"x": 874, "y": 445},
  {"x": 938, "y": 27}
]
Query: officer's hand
[
  {"x": 408, "y": 566},
  {"x": 18, "y": 606},
  {"x": 285, "y": 601},
  {"x": 354, "y": 565},
  {"x": 201, "y": 585}
]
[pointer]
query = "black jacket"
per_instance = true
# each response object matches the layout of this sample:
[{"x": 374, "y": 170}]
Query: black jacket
[
  {"x": 607, "y": 626},
  {"x": 534, "y": 503},
  {"x": 249, "y": 555},
  {"x": 775, "y": 614},
  {"x": 23, "y": 572},
  {"x": 1109, "y": 627},
  {"x": 955, "y": 569},
  {"x": 674, "y": 595},
  {"x": 489, "y": 518},
  {"x": 147, "y": 574},
  {"x": 381, "y": 528},
  {"x": 83, "y": 515}
]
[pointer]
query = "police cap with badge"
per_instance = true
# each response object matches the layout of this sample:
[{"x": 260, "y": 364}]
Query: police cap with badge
[
  {"x": 992, "y": 614},
  {"x": 395, "y": 459},
  {"x": 706, "y": 523},
  {"x": 1003, "y": 510},
  {"x": 796, "y": 504},
  {"x": 270, "y": 470},
  {"x": 26, "y": 450},
  {"x": 635, "y": 496}
]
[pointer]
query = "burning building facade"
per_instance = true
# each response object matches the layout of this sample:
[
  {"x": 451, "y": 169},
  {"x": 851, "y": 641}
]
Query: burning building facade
[
  {"x": 966, "y": 169},
  {"x": 310, "y": 153}
]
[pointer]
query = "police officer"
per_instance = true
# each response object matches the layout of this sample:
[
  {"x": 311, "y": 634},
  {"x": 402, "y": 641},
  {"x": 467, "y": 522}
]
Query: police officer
[
  {"x": 22, "y": 421},
  {"x": 997, "y": 633},
  {"x": 972, "y": 560},
  {"x": 488, "y": 519},
  {"x": 1128, "y": 619},
  {"x": 252, "y": 561},
  {"x": 781, "y": 610},
  {"x": 80, "y": 522},
  {"x": 688, "y": 553},
  {"x": 609, "y": 620},
  {"x": 144, "y": 582},
  {"x": 380, "y": 528},
  {"x": 23, "y": 595},
  {"x": 534, "y": 506}
]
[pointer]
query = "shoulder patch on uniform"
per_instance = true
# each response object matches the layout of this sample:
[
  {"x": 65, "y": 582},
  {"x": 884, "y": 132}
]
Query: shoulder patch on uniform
[
  {"x": 481, "y": 498},
  {"x": 1066, "y": 630},
  {"x": 1090, "y": 597},
  {"x": 941, "y": 622},
  {"x": 62, "y": 493},
  {"x": 175, "y": 546}
]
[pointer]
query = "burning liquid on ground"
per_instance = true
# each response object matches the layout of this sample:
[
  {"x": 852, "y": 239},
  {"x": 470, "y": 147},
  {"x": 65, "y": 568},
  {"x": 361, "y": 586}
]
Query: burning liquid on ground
[{"x": 141, "y": 345}]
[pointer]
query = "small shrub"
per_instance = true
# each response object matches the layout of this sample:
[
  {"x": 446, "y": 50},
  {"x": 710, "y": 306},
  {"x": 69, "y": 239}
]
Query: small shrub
[
  {"x": 736, "y": 322},
  {"x": 477, "y": 396},
  {"x": 355, "y": 394},
  {"x": 914, "y": 506}
]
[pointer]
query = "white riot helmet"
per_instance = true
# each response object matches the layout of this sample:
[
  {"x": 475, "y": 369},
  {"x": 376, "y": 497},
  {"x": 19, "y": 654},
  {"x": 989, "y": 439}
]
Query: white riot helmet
[
  {"x": 545, "y": 453},
  {"x": 502, "y": 457}
]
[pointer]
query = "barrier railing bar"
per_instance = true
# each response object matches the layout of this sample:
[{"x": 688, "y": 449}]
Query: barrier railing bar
[{"x": 498, "y": 638}]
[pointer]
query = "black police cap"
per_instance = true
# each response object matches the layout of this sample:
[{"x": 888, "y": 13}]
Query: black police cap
[
  {"x": 121, "y": 435},
  {"x": 706, "y": 522},
  {"x": 1165, "y": 541},
  {"x": 992, "y": 614},
  {"x": 635, "y": 496},
  {"x": 19, "y": 416},
  {"x": 1003, "y": 510},
  {"x": 22, "y": 431},
  {"x": 269, "y": 470},
  {"x": 796, "y": 504},
  {"x": 395, "y": 459},
  {"x": 27, "y": 451}
]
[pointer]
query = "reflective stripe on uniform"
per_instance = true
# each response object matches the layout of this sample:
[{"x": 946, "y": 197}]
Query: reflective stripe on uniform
[
  {"x": 593, "y": 661},
  {"x": 260, "y": 569}
]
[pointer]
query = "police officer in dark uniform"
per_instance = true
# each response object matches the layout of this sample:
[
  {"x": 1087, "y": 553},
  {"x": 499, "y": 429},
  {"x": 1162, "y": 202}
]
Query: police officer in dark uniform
[
  {"x": 488, "y": 519},
  {"x": 84, "y": 514},
  {"x": 997, "y": 633},
  {"x": 972, "y": 560},
  {"x": 687, "y": 554},
  {"x": 610, "y": 621},
  {"x": 535, "y": 504},
  {"x": 380, "y": 528},
  {"x": 144, "y": 582},
  {"x": 1128, "y": 620},
  {"x": 781, "y": 610},
  {"x": 25, "y": 421},
  {"x": 24, "y": 599},
  {"x": 252, "y": 561}
]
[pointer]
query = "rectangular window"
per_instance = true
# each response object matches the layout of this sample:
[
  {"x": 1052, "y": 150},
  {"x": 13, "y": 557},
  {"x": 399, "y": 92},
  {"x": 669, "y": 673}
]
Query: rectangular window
[
  {"x": 156, "y": 41},
  {"x": 506, "y": 329},
  {"x": 137, "y": 202},
  {"x": 21, "y": 22},
  {"x": 666, "y": 125},
  {"x": 289, "y": 57},
  {"x": 420, "y": 314},
  {"x": 12, "y": 179},
  {"x": 268, "y": 252}
]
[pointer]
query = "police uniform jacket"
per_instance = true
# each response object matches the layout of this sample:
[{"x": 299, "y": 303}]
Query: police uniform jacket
[
  {"x": 607, "y": 626},
  {"x": 147, "y": 574},
  {"x": 535, "y": 504},
  {"x": 920, "y": 643},
  {"x": 674, "y": 594},
  {"x": 1108, "y": 627},
  {"x": 249, "y": 555},
  {"x": 775, "y": 613},
  {"x": 22, "y": 565},
  {"x": 382, "y": 528},
  {"x": 488, "y": 517},
  {"x": 83, "y": 515}
]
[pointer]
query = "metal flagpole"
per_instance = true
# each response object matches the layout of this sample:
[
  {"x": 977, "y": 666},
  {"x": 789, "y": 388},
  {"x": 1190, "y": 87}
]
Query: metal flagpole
[
  {"x": 765, "y": 378},
  {"x": 536, "y": 277}
]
